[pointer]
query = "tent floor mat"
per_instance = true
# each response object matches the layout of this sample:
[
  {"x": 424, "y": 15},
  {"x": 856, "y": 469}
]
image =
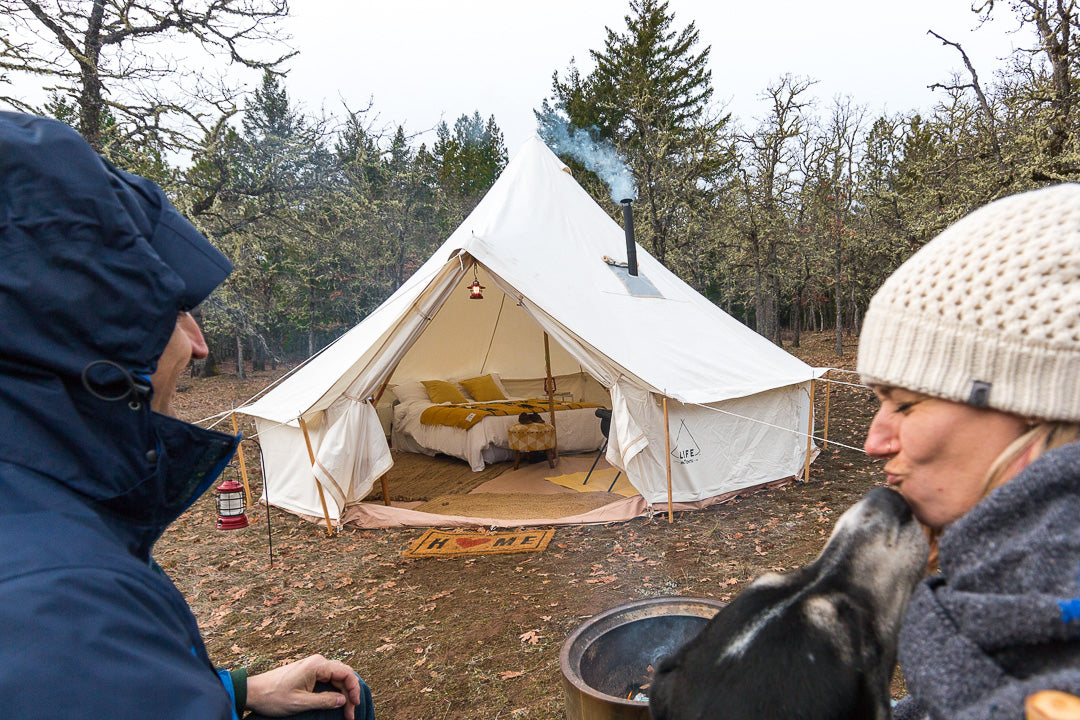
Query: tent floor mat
[
  {"x": 518, "y": 505},
  {"x": 418, "y": 478}
]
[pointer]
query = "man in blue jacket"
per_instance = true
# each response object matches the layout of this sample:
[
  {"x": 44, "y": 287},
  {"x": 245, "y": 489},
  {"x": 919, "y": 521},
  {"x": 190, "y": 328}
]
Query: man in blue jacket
[{"x": 97, "y": 274}]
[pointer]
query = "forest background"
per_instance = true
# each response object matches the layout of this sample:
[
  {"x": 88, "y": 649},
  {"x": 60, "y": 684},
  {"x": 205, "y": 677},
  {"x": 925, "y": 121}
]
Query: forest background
[{"x": 789, "y": 224}]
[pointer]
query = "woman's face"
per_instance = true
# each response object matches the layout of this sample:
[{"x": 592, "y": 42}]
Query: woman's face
[{"x": 938, "y": 452}]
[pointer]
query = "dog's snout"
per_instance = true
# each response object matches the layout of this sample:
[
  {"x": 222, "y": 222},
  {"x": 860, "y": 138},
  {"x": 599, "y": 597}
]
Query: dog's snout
[{"x": 891, "y": 502}]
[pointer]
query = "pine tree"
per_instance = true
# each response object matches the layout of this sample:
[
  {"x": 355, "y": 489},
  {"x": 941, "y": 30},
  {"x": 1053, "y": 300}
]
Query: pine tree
[
  {"x": 471, "y": 158},
  {"x": 651, "y": 96}
]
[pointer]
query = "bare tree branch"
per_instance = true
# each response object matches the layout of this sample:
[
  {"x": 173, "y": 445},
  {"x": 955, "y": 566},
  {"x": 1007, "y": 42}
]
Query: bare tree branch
[
  {"x": 123, "y": 60},
  {"x": 988, "y": 112}
]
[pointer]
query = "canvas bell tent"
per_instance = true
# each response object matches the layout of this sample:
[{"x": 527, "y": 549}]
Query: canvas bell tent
[{"x": 552, "y": 261}]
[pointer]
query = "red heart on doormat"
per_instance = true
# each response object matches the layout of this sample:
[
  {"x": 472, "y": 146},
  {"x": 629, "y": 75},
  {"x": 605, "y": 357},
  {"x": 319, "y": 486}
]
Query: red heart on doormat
[{"x": 471, "y": 542}]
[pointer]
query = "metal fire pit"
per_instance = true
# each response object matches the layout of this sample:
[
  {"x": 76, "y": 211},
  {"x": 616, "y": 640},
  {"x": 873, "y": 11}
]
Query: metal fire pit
[{"x": 606, "y": 660}]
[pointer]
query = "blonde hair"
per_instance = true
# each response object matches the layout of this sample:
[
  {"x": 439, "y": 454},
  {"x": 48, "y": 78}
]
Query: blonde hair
[{"x": 1041, "y": 436}]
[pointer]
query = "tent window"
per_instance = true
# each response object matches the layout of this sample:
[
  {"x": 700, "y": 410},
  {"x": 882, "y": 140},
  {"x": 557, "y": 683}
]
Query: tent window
[{"x": 637, "y": 285}]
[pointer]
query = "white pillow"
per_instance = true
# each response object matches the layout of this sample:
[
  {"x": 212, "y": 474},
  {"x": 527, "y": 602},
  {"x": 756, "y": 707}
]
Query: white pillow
[{"x": 411, "y": 391}]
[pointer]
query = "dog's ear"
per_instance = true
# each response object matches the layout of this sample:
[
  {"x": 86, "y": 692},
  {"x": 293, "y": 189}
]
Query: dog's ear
[
  {"x": 667, "y": 663},
  {"x": 659, "y": 687}
]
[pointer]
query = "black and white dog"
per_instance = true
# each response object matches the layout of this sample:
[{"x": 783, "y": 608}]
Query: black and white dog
[{"x": 816, "y": 643}]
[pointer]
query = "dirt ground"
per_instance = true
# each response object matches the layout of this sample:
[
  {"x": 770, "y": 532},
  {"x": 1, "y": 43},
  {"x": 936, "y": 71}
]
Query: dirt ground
[{"x": 479, "y": 637}]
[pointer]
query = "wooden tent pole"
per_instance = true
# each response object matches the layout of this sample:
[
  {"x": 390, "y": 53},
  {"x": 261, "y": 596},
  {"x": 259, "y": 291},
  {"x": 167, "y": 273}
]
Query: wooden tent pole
[
  {"x": 667, "y": 454},
  {"x": 322, "y": 498},
  {"x": 243, "y": 468},
  {"x": 551, "y": 394},
  {"x": 375, "y": 404},
  {"x": 828, "y": 394},
  {"x": 809, "y": 435}
]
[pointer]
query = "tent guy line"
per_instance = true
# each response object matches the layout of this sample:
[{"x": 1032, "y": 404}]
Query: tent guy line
[
  {"x": 220, "y": 417},
  {"x": 800, "y": 433}
]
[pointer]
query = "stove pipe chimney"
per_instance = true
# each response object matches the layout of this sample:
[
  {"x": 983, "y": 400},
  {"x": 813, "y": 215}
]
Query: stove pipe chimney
[{"x": 628, "y": 228}]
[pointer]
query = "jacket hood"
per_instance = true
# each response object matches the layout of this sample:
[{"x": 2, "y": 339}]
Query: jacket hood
[{"x": 95, "y": 264}]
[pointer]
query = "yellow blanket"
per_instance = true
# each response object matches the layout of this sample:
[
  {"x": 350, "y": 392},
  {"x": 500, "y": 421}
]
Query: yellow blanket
[{"x": 466, "y": 415}]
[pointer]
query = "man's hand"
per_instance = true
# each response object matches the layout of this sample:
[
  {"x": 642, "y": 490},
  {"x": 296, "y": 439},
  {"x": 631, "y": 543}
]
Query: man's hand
[{"x": 288, "y": 689}]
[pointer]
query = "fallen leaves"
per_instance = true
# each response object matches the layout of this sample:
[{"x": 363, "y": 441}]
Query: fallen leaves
[{"x": 371, "y": 601}]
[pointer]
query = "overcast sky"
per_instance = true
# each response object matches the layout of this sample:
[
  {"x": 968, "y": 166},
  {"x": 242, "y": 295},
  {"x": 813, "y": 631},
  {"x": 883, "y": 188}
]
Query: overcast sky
[{"x": 425, "y": 60}]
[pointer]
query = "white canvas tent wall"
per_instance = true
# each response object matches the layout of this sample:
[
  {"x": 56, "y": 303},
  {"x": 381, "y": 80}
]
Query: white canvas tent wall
[{"x": 739, "y": 406}]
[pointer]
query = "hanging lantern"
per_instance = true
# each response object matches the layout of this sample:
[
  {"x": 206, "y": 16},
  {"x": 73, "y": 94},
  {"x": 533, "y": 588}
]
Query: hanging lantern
[
  {"x": 476, "y": 290},
  {"x": 230, "y": 502}
]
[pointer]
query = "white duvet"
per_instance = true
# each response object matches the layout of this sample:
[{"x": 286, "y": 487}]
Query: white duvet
[{"x": 487, "y": 441}]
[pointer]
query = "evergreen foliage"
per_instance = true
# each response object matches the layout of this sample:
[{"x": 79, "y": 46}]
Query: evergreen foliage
[{"x": 789, "y": 222}]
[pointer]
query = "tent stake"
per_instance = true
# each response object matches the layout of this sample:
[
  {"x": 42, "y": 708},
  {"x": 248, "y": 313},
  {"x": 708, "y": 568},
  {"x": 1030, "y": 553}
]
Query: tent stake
[
  {"x": 243, "y": 468},
  {"x": 266, "y": 494},
  {"x": 667, "y": 454},
  {"x": 809, "y": 435},
  {"x": 322, "y": 498},
  {"x": 550, "y": 385},
  {"x": 828, "y": 394}
]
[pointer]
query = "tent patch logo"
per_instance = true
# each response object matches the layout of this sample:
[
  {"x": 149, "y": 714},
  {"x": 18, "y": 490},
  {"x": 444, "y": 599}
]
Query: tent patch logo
[{"x": 686, "y": 449}]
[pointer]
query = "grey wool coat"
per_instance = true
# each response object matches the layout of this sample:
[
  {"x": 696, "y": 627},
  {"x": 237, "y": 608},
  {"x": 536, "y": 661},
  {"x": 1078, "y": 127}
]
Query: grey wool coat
[{"x": 1002, "y": 618}]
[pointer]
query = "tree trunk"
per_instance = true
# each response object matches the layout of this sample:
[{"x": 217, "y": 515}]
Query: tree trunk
[
  {"x": 759, "y": 313},
  {"x": 206, "y": 367},
  {"x": 90, "y": 94},
  {"x": 239, "y": 356},
  {"x": 311, "y": 320},
  {"x": 839, "y": 301},
  {"x": 258, "y": 356},
  {"x": 796, "y": 319}
]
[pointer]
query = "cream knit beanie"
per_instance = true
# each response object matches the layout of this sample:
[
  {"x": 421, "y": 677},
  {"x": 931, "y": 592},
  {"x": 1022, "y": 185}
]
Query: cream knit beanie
[{"x": 988, "y": 312}]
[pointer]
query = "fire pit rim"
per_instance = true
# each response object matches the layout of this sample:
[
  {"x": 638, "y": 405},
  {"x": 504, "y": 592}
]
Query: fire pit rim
[{"x": 601, "y": 623}]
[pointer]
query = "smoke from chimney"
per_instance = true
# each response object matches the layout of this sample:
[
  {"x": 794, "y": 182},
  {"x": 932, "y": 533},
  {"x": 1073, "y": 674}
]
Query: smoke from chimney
[{"x": 600, "y": 158}]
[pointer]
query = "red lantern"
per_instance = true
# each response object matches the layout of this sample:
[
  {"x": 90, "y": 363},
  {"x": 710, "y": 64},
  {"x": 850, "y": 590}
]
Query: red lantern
[
  {"x": 230, "y": 501},
  {"x": 476, "y": 290}
]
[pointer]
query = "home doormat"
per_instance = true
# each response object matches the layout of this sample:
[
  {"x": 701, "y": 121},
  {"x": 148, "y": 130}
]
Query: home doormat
[{"x": 439, "y": 543}]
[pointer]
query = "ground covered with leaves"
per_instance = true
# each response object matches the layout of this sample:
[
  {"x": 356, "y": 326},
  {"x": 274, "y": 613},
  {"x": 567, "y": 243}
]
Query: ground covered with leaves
[{"x": 479, "y": 637}]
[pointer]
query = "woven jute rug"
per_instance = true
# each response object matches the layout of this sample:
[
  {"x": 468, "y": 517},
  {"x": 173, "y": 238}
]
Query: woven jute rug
[
  {"x": 417, "y": 477},
  {"x": 517, "y": 506},
  {"x": 439, "y": 543}
]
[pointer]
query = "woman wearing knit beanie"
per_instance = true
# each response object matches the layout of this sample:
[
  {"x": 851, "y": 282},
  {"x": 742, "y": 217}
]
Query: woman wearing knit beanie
[{"x": 973, "y": 348}]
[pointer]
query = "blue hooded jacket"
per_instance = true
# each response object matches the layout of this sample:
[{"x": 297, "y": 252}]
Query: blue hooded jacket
[{"x": 95, "y": 264}]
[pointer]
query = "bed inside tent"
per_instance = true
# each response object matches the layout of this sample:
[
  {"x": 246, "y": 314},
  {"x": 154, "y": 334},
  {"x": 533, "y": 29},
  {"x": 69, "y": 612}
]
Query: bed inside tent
[{"x": 702, "y": 406}]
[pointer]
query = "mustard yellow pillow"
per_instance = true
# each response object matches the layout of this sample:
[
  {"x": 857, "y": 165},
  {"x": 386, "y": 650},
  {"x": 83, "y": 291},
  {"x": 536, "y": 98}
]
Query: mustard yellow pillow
[
  {"x": 441, "y": 392},
  {"x": 483, "y": 388}
]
